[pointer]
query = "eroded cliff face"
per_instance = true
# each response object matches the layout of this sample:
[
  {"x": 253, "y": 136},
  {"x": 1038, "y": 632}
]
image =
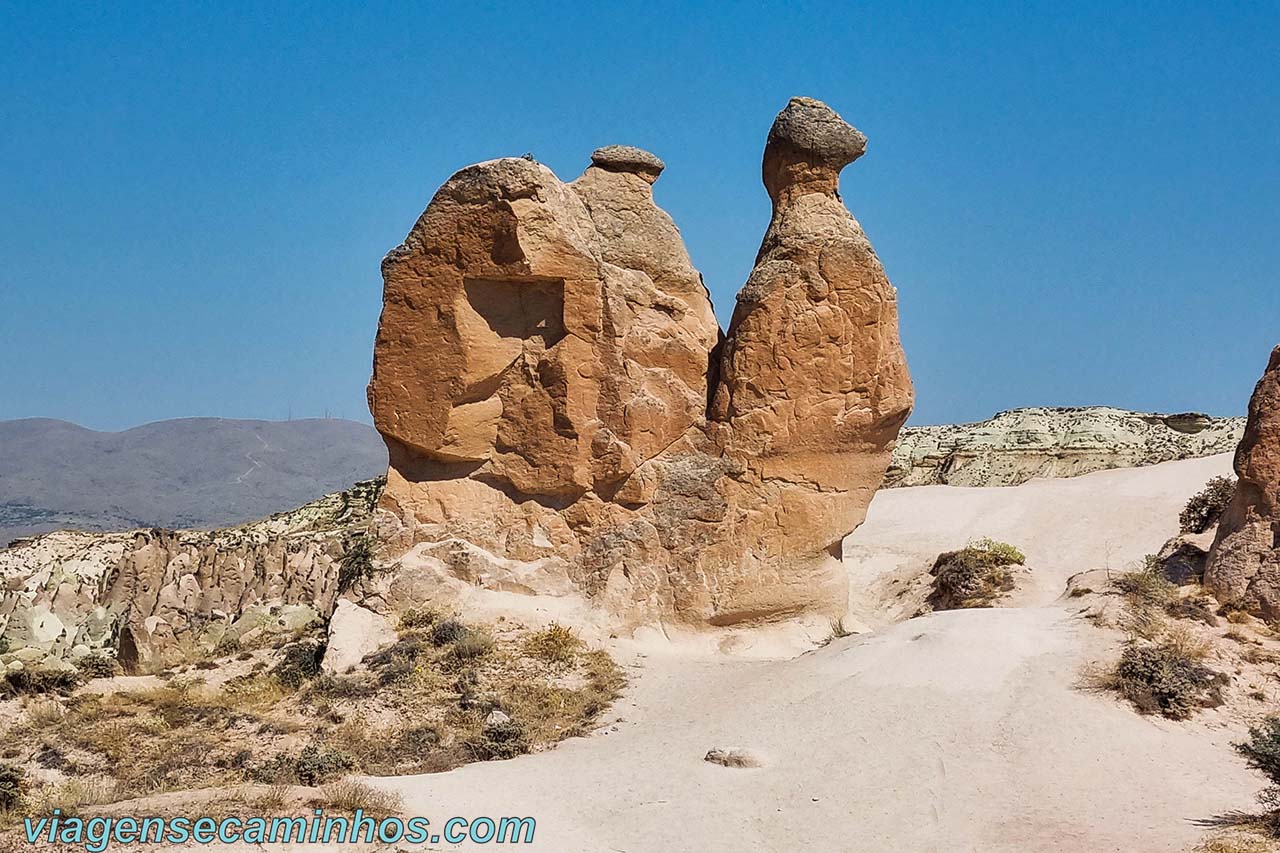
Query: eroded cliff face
[
  {"x": 1021, "y": 444},
  {"x": 1243, "y": 567},
  {"x": 151, "y": 594},
  {"x": 562, "y": 415}
]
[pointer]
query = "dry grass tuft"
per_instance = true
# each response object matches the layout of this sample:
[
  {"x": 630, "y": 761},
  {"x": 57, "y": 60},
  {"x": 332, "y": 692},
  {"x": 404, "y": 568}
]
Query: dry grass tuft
[{"x": 347, "y": 795}]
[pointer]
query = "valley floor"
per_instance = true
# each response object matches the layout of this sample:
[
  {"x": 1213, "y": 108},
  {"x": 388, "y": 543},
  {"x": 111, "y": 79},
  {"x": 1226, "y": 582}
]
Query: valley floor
[{"x": 956, "y": 731}]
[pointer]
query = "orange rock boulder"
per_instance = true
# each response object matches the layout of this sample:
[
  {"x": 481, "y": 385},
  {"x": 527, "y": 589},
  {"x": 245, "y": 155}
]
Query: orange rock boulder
[
  {"x": 1243, "y": 567},
  {"x": 545, "y": 379}
]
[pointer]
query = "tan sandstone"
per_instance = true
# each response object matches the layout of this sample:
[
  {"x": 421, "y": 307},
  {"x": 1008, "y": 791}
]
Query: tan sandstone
[
  {"x": 1244, "y": 563},
  {"x": 561, "y": 413}
]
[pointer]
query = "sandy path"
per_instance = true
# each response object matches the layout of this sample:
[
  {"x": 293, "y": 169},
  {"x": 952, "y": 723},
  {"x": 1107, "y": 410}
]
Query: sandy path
[{"x": 958, "y": 731}]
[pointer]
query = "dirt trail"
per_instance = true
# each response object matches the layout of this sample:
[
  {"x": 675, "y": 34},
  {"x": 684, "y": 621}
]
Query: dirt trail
[{"x": 959, "y": 731}]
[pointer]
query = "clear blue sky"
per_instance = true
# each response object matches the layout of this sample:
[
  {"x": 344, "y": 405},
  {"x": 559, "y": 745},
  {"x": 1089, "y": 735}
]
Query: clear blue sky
[{"x": 1079, "y": 203}]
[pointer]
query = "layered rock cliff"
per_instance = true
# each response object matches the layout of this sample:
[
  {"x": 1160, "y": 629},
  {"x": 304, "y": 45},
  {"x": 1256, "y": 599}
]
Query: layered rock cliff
[
  {"x": 558, "y": 405},
  {"x": 1020, "y": 444}
]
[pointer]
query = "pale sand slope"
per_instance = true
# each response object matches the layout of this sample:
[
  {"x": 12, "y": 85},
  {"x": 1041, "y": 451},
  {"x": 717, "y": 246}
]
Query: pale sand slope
[{"x": 959, "y": 731}]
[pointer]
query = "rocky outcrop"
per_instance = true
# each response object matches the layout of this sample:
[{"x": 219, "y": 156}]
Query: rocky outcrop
[
  {"x": 1020, "y": 444},
  {"x": 1243, "y": 567},
  {"x": 153, "y": 594},
  {"x": 562, "y": 416}
]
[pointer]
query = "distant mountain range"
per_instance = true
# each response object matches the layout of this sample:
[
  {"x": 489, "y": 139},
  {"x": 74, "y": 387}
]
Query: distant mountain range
[{"x": 192, "y": 472}]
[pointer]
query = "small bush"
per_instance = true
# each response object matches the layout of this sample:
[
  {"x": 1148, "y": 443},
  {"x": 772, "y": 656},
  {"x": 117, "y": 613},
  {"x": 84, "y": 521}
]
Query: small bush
[
  {"x": 97, "y": 666},
  {"x": 448, "y": 631},
  {"x": 974, "y": 576},
  {"x": 12, "y": 785},
  {"x": 316, "y": 765},
  {"x": 313, "y": 766},
  {"x": 1000, "y": 552},
  {"x": 1262, "y": 750},
  {"x": 506, "y": 739},
  {"x": 1167, "y": 679},
  {"x": 1206, "y": 506},
  {"x": 417, "y": 620},
  {"x": 1147, "y": 586},
  {"x": 357, "y": 563},
  {"x": 553, "y": 644},
  {"x": 4, "y": 645},
  {"x": 300, "y": 662},
  {"x": 29, "y": 682},
  {"x": 472, "y": 645}
]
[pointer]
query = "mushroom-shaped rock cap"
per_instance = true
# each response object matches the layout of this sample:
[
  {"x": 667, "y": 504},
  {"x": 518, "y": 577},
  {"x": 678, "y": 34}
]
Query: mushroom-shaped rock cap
[
  {"x": 816, "y": 133},
  {"x": 808, "y": 146},
  {"x": 628, "y": 158}
]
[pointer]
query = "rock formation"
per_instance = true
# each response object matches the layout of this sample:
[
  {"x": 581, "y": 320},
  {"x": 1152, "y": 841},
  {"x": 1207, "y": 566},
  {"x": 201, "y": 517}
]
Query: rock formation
[
  {"x": 561, "y": 415},
  {"x": 152, "y": 594},
  {"x": 1244, "y": 564},
  {"x": 1015, "y": 446}
]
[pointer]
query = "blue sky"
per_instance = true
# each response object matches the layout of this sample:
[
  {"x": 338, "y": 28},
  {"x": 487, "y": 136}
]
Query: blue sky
[{"x": 1079, "y": 203}]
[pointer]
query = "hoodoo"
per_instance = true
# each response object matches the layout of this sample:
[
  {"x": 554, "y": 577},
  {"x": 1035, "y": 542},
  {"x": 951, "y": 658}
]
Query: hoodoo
[
  {"x": 543, "y": 370},
  {"x": 1244, "y": 564}
]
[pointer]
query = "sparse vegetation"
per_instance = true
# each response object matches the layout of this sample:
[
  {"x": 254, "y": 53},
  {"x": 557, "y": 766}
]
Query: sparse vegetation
[
  {"x": 425, "y": 704},
  {"x": 357, "y": 562},
  {"x": 347, "y": 795},
  {"x": 1206, "y": 506},
  {"x": 4, "y": 645},
  {"x": 300, "y": 662},
  {"x": 12, "y": 786},
  {"x": 1262, "y": 752},
  {"x": 838, "y": 630},
  {"x": 1168, "y": 678},
  {"x": 553, "y": 644},
  {"x": 26, "y": 682},
  {"x": 97, "y": 666},
  {"x": 974, "y": 576},
  {"x": 1147, "y": 586}
]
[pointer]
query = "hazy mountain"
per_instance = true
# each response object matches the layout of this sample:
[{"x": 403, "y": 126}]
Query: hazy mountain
[{"x": 192, "y": 472}]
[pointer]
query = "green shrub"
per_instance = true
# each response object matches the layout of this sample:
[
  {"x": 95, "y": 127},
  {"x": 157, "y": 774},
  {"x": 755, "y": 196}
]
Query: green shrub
[
  {"x": 1001, "y": 552},
  {"x": 300, "y": 662},
  {"x": 1262, "y": 750},
  {"x": 315, "y": 765},
  {"x": 96, "y": 666},
  {"x": 4, "y": 645},
  {"x": 357, "y": 563},
  {"x": 498, "y": 741},
  {"x": 974, "y": 576},
  {"x": 12, "y": 784},
  {"x": 1207, "y": 505},
  {"x": 1167, "y": 679}
]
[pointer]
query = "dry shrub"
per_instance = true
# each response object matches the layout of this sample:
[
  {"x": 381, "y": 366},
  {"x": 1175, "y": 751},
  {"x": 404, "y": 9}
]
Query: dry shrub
[
  {"x": 553, "y": 644},
  {"x": 1206, "y": 506},
  {"x": 347, "y": 795},
  {"x": 1168, "y": 679},
  {"x": 974, "y": 576}
]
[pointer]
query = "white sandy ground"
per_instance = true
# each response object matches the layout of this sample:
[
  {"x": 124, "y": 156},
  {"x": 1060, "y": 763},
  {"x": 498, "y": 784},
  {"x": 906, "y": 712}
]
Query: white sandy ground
[{"x": 958, "y": 731}]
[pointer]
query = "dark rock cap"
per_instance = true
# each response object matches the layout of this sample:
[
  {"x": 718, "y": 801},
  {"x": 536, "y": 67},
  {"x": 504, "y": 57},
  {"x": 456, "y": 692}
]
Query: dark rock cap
[
  {"x": 815, "y": 133},
  {"x": 627, "y": 158}
]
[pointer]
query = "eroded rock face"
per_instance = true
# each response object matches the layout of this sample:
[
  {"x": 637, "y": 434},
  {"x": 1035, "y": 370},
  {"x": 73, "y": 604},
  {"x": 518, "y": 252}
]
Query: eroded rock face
[
  {"x": 1244, "y": 564},
  {"x": 149, "y": 595},
  {"x": 1018, "y": 445},
  {"x": 559, "y": 415}
]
